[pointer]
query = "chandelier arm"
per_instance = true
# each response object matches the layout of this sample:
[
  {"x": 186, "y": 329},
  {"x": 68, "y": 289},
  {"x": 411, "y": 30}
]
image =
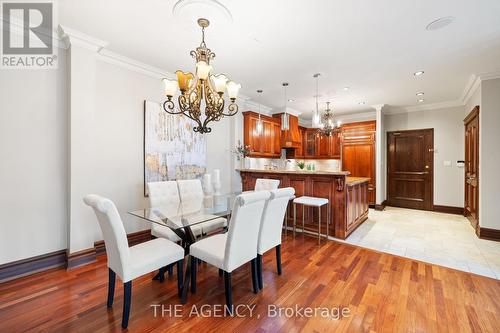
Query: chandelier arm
[{"x": 169, "y": 107}]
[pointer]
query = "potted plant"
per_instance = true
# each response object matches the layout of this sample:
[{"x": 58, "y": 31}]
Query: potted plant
[
  {"x": 242, "y": 152},
  {"x": 301, "y": 164}
]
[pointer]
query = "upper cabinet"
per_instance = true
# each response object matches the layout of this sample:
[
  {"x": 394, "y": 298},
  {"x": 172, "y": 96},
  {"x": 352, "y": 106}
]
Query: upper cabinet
[{"x": 267, "y": 142}]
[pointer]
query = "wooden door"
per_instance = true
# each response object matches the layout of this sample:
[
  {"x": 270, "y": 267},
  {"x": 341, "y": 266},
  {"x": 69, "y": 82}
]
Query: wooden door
[
  {"x": 310, "y": 144},
  {"x": 323, "y": 149},
  {"x": 335, "y": 148},
  {"x": 471, "y": 203},
  {"x": 410, "y": 165},
  {"x": 268, "y": 136}
]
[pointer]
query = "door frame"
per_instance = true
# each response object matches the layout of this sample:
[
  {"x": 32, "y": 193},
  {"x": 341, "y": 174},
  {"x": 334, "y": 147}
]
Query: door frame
[
  {"x": 431, "y": 162},
  {"x": 467, "y": 119}
]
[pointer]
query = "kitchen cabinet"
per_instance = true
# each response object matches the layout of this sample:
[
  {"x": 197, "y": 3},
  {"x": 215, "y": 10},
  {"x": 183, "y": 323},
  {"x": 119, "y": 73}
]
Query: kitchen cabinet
[
  {"x": 358, "y": 153},
  {"x": 264, "y": 144},
  {"x": 310, "y": 143}
]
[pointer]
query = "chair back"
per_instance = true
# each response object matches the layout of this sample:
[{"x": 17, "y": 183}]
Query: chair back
[
  {"x": 163, "y": 193},
  {"x": 190, "y": 189},
  {"x": 243, "y": 233},
  {"x": 262, "y": 184},
  {"x": 115, "y": 238},
  {"x": 272, "y": 219}
]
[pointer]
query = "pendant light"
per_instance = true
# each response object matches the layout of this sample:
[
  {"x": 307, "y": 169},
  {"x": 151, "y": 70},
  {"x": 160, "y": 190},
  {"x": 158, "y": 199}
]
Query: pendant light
[
  {"x": 259, "y": 126},
  {"x": 285, "y": 123},
  {"x": 316, "y": 115}
]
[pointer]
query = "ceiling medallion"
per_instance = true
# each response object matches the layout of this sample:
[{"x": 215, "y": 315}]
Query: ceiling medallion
[
  {"x": 327, "y": 126},
  {"x": 201, "y": 87}
]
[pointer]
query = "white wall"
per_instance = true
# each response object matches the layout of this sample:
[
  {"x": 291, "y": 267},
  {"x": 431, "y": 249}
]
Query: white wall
[
  {"x": 489, "y": 155},
  {"x": 34, "y": 155},
  {"x": 448, "y": 146}
]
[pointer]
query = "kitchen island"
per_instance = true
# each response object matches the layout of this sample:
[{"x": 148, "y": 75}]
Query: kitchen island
[{"x": 348, "y": 196}]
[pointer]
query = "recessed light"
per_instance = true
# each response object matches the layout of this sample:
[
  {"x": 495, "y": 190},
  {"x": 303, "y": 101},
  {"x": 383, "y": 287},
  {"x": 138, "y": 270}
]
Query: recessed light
[
  {"x": 421, "y": 100},
  {"x": 346, "y": 88},
  {"x": 419, "y": 73},
  {"x": 362, "y": 103},
  {"x": 291, "y": 100},
  {"x": 440, "y": 23},
  {"x": 420, "y": 94}
]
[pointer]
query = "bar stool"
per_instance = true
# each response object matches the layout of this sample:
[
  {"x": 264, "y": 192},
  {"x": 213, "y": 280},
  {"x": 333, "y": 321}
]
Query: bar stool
[{"x": 311, "y": 202}]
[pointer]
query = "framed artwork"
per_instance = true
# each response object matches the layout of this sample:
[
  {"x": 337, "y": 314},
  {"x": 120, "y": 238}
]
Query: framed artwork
[{"x": 172, "y": 150}]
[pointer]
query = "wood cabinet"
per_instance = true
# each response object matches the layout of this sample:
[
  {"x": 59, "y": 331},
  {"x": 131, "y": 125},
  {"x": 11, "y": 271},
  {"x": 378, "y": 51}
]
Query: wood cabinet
[
  {"x": 358, "y": 153},
  {"x": 309, "y": 143},
  {"x": 266, "y": 143}
]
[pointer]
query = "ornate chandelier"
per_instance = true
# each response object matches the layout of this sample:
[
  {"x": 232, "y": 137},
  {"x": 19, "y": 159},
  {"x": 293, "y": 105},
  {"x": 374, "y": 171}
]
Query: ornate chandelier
[
  {"x": 327, "y": 126},
  {"x": 202, "y": 86}
]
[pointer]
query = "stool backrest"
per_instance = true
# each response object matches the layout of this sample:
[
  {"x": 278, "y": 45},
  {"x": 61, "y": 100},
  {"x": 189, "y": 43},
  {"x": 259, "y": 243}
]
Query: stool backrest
[
  {"x": 262, "y": 184},
  {"x": 243, "y": 233},
  {"x": 272, "y": 219}
]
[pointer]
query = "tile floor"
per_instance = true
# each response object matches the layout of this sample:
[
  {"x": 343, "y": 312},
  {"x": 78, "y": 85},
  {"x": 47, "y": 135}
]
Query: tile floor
[{"x": 442, "y": 239}]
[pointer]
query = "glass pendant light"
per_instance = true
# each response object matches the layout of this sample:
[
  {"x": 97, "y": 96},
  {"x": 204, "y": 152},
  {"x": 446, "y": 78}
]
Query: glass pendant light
[
  {"x": 259, "y": 126},
  {"x": 285, "y": 119},
  {"x": 316, "y": 115}
]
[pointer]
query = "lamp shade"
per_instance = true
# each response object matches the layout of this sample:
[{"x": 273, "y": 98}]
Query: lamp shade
[
  {"x": 170, "y": 87},
  {"x": 184, "y": 80},
  {"x": 219, "y": 82},
  {"x": 202, "y": 70},
  {"x": 232, "y": 89}
]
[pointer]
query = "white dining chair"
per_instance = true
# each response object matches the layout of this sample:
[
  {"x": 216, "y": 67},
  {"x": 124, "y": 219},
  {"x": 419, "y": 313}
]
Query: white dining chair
[
  {"x": 131, "y": 262},
  {"x": 262, "y": 184},
  {"x": 238, "y": 246},
  {"x": 163, "y": 194},
  {"x": 191, "y": 191},
  {"x": 271, "y": 226}
]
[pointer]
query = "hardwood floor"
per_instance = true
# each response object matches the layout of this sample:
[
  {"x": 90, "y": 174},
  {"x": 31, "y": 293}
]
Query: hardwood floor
[{"x": 383, "y": 293}]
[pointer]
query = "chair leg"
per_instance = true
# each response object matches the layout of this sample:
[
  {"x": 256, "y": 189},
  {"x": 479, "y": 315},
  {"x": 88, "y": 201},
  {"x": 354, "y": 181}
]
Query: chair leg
[
  {"x": 221, "y": 272},
  {"x": 278, "y": 258},
  {"x": 193, "y": 273},
  {"x": 162, "y": 274},
  {"x": 253, "y": 264},
  {"x": 294, "y": 217},
  {"x": 180, "y": 267},
  {"x": 319, "y": 225},
  {"x": 111, "y": 287},
  {"x": 127, "y": 297},
  {"x": 229, "y": 293},
  {"x": 259, "y": 271}
]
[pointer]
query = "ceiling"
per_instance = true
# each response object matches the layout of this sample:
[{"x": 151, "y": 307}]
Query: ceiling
[{"x": 372, "y": 47}]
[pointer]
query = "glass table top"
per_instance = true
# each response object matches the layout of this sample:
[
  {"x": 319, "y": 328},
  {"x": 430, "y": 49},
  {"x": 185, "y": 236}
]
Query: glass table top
[{"x": 190, "y": 213}]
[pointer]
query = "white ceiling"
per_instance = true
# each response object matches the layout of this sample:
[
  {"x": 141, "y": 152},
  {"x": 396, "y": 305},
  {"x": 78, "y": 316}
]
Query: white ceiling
[{"x": 373, "y": 47}]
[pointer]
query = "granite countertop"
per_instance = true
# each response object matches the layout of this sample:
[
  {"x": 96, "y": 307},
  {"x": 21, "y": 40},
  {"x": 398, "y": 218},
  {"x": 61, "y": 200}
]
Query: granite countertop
[
  {"x": 299, "y": 172},
  {"x": 350, "y": 181}
]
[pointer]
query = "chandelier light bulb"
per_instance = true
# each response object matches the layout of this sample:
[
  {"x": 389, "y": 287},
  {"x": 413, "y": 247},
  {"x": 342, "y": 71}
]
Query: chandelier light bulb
[
  {"x": 232, "y": 89},
  {"x": 203, "y": 70},
  {"x": 219, "y": 82},
  {"x": 170, "y": 87}
]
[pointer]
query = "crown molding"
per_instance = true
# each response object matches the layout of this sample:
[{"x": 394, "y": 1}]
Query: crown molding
[
  {"x": 131, "y": 64},
  {"x": 254, "y": 106},
  {"x": 433, "y": 106},
  {"x": 73, "y": 37},
  {"x": 475, "y": 82},
  {"x": 378, "y": 107}
]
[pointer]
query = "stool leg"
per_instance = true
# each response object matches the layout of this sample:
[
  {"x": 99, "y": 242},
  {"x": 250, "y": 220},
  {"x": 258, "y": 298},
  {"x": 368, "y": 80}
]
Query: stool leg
[
  {"x": 303, "y": 217},
  {"x": 294, "y": 217},
  {"x": 328, "y": 213},
  {"x": 286, "y": 220},
  {"x": 319, "y": 225}
]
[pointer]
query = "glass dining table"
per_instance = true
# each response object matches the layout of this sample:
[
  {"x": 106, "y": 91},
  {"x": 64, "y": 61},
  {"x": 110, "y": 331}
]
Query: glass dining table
[{"x": 183, "y": 217}]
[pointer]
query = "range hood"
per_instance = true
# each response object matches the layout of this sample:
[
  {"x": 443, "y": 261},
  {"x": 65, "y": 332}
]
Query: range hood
[{"x": 290, "y": 139}]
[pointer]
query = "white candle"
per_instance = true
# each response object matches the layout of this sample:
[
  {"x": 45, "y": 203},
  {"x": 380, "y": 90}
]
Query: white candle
[{"x": 216, "y": 176}]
